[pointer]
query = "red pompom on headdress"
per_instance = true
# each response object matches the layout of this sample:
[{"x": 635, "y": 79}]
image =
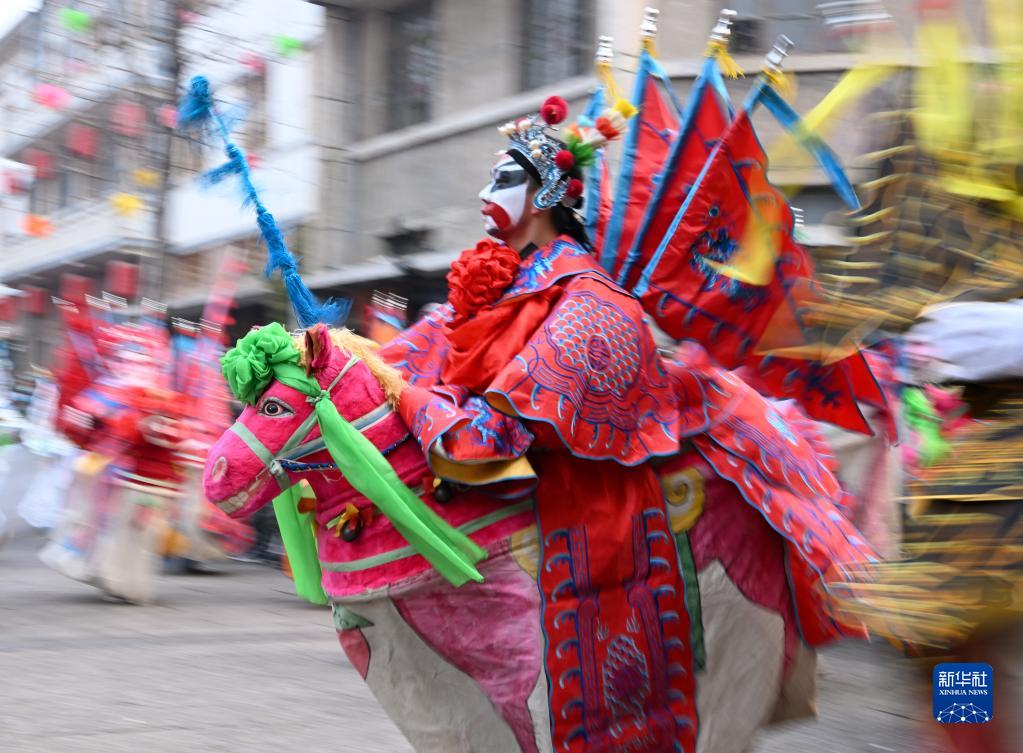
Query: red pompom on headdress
[
  {"x": 554, "y": 110},
  {"x": 565, "y": 160},
  {"x": 606, "y": 128},
  {"x": 574, "y": 189}
]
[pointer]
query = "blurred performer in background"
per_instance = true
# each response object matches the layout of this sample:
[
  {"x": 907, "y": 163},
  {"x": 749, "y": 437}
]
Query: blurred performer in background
[
  {"x": 966, "y": 526},
  {"x": 53, "y": 472},
  {"x": 386, "y": 317},
  {"x": 118, "y": 404},
  {"x": 957, "y": 592}
]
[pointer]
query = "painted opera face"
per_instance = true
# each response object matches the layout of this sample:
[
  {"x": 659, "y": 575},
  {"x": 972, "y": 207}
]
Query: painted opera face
[{"x": 504, "y": 198}]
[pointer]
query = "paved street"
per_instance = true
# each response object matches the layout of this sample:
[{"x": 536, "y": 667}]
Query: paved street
[{"x": 236, "y": 663}]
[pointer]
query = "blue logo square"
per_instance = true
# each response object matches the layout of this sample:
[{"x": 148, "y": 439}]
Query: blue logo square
[{"x": 964, "y": 693}]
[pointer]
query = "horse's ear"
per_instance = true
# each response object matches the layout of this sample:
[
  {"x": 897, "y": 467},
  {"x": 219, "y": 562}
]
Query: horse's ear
[{"x": 318, "y": 347}]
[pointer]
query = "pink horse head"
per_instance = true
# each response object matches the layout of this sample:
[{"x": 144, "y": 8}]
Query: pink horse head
[{"x": 276, "y": 443}]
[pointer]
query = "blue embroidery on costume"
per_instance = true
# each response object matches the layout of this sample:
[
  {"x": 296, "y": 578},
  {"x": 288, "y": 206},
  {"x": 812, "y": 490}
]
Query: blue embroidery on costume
[
  {"x": 487, "y": 428},
  {"x": 597, "y": 340},
  {"x": 419, "y": 352},
  {"x": 536, "y": 270},
  {"x": 598, "y": 372},
  {"x": 717, "y": 244},
  {"x": 775, "y": 419}
]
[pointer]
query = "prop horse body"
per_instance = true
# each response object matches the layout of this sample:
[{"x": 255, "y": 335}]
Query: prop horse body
[{"x": 461, "y": 668}]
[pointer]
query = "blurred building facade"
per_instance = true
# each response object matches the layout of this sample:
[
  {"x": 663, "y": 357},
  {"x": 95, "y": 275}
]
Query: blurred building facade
[
  {"x": 371, "y": 124},
  {"x": 89, "y": 107}
]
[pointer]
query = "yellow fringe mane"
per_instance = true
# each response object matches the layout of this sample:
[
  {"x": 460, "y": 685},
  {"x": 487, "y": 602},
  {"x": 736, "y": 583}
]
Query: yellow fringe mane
[{"x": 366, "y": 350}]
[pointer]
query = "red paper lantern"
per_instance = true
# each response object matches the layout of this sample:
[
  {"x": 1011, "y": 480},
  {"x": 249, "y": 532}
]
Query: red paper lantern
[
  {"x": 82, "y": 140},
  {"x": 122, "y": 279},
  {"x": 253, "y": 62},
  {"x": 8, "y": 309},
  {"x": 75, "y": 288},
  {"x": 52, "y": 96},
  {"x": 35, "y": 301},
  {"x": 128, "y": 118},
  {"x": 41, "y": 161},
  {"x": 168, "y": 115},
  {"x": 36, "y": 226}
]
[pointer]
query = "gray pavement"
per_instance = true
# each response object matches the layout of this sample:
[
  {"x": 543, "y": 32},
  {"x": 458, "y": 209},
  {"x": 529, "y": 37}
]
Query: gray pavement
[{"x": 236, "y": 663}]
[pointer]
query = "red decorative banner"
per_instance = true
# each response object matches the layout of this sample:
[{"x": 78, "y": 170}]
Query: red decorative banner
[
  {"x": 82, "y": 140},
  {"x": 128, "y": 118}
]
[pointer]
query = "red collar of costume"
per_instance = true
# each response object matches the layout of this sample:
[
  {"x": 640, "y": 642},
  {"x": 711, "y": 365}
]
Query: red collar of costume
[{"x": 562, "y": 257}]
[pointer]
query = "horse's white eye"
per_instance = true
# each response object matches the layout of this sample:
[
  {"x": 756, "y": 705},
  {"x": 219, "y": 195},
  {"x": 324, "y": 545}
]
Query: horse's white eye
[{"x": 275, "y": 408}]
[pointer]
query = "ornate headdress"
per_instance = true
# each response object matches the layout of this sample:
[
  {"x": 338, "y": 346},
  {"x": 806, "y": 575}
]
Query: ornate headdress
[{"x": 556, "y": 164}]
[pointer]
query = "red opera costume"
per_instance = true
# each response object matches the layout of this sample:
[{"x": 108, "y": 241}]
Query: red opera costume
[{"x": 563, "y": 370}]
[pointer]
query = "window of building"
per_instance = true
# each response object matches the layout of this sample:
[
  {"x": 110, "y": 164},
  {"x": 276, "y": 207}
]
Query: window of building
[
  {"x": 413, "y": 64},
  {"x": 186, "y": 156},
  {"x": 558, "y": 40},
  {"x": 254, "y": 123},
  {"x": 759, "y": 23},
  {"x": 407, "y": 242},
  {"x": 48, "y": 194}
]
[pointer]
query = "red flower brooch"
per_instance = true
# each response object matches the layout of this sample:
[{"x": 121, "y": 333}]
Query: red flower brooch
[{"x": 480, "y": 277}]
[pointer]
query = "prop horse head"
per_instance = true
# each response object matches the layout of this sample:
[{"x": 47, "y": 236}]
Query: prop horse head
[
  {"x": 322, "y": 409},
  {"x": 115, "y": 386},
  {"x": 276, "y": 441}
]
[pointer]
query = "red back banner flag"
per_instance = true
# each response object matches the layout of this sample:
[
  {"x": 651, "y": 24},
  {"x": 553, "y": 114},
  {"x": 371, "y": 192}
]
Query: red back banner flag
[
  {"x": 647, "y": 142},
  {"x": 728, "y": 275},
  {"x": 705, "y": 119}
]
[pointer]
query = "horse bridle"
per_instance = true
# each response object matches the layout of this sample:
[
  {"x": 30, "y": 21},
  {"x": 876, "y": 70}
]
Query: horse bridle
[{"x": 288, "y": 458}]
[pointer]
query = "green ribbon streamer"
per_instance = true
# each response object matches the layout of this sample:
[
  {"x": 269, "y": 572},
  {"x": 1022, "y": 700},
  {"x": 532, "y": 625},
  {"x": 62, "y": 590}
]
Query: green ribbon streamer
[
  {"x": 300, "y": 544},
  {"x": 268, "y": 353}
]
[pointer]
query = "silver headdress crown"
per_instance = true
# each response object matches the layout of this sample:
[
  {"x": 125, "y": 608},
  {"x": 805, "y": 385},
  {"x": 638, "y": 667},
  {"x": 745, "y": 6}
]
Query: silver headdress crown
[
  {"x": 555, "y": 160},
  {"x": 528, "y": 137}
]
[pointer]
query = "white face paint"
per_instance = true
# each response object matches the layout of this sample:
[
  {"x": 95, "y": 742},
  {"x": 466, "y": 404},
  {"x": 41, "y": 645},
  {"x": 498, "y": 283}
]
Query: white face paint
[{"x": 504, "y": 198}]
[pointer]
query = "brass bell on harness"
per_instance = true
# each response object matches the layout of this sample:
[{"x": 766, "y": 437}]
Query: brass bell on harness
[
  {"x": 352, "y": 528},
  {"x": 443, "y": 493}
]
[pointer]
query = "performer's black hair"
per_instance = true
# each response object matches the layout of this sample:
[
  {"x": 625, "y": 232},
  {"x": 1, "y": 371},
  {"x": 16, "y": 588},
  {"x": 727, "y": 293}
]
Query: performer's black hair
[{"x": 566, "y": 220}]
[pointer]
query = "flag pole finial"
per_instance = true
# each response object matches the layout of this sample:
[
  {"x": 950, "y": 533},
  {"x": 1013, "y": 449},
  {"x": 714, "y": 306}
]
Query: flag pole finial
[
  {"x": 648, "y": 29},
  {"x": 605, "y": 50},
  {"x": 717, "y": 44},
  {"x": 772, "y": 70},
  {"x": 722, "y": 31},
  {"x": 773, "y": 62},
  {"x": 853, "y": 14}
]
